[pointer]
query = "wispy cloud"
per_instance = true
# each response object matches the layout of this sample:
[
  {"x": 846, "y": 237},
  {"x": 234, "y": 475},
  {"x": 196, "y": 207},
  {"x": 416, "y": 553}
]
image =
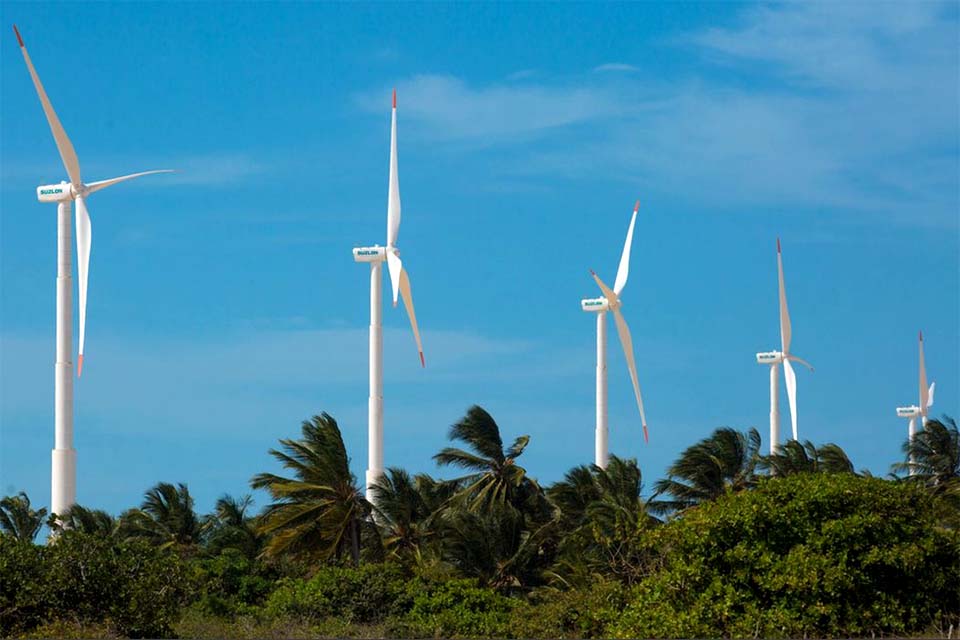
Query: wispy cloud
[
  {"x": 615, "y": 66},
  {"x": 280, "y": 360},
  {"x": 846, "y": 105},
  {"x": 450, "y": 108},
  {"x": 214, "y": 169}
]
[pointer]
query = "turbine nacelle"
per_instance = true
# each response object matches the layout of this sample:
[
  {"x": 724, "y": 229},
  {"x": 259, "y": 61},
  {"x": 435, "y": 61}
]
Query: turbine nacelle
[
  {"x": 908, "y": 412},
  {"x": 770, "y": 357},
  {"x": 595, "y": 305},
  {"x": 56, "y": 192},
  {"x": 370, "y": 254}
]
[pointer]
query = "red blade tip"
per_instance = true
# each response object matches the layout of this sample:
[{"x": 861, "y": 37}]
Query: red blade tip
[
  {"x": 19, "y": 39},
  {"x": 394, "y": 98},
  {"x": 592, "y": 272},
  {"x": 80, "y": 365},
  {"x": 778, "y": 245},
  {"x": 646, "y": 436},
  {"x": 636, "y": 207},
  {"x": 921, "y": 335},
  {"x": 422, "y": 361}
]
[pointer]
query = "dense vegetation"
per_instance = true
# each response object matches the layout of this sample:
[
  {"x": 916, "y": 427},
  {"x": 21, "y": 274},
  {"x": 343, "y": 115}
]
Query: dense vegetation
[{"x": 731, "y": 544}]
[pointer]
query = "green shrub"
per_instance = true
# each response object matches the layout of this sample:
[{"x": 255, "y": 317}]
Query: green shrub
[
  {"x": 22, "y": 596},
  {"x": 454, "y": 609},
  {"x": 87, "y": 580},
  {"x": 365, "y": 594},
  {"x": 807, "y": 555},
  {"x": 579, "y": 613},
  {"x": 230, "y": 583}
]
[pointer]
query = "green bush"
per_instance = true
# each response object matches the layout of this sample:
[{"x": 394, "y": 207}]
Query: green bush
[
  {"x": 22, "y": 596},
  {"x": 807, "y": 555},
  {"x": 579, "y": 613},
  {"x": 365, "y": 594},
  {"x": 454, "y": 609},
  {"x": 230, "y": 583},
  {"x": 128, "y": 586}
]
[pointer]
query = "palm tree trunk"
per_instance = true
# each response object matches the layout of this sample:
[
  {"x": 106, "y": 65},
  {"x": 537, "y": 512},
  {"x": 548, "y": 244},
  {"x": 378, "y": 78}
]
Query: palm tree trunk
[{"x": 355, "y": 540}]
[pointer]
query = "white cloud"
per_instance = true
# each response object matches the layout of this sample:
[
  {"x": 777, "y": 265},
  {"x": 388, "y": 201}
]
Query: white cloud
[
  {"x": 446, "y": 107},
  {"x": 214, "y": 169},
  {"x": 260, "y": 370},
  {"x": 615, "y": 66},
  {"x": 845, "y": 105}
]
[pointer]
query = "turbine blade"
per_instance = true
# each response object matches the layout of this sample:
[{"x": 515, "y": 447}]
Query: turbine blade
[
  {"x": 627, "y": 342},
  {"x": 801, "y": 361},
  {"x": 393, "y": 201},
  {"x": 83, "y": 262},
  {"x": 408, "y": 303},
  {"x": 103, "y": 184},
  {"x": 607, "y": 292},
  {"x": 64, "y": 146},
  {"x": 624, "y": 269},
  {"x": 784, "y": 312},
  {"x": 933, "y": 385},
  {"x": 395, "y": 267},
  {"x": 791, "y": 379},
  {"x": 923, "y": 380}
]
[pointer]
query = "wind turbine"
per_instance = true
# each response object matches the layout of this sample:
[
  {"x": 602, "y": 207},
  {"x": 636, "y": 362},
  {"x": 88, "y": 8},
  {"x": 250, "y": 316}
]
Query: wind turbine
[
  {"x": 926, "y": 401},
  {"x": 773, "y": 358},
  {"x": 400, "y": 281},
  {"x": 611, "y": 302},
  {"x": 64, "y": 462}
]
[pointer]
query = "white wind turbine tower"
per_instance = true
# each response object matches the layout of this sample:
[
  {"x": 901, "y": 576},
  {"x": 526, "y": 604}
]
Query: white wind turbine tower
[
  {"x": 611, "y": 302},
  {"x": 773, "y": 358},
  {"x": 926, "y": 401},
  {"x": 376, "y": 255},
  {"x": 64, "y": 472}
]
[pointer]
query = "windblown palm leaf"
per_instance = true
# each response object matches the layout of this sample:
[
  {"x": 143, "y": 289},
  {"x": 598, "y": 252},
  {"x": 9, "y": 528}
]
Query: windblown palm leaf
[
  {"x": 794, "y": 457},
  {"x": 935, "y": 450},
  {"x": 231, "y": 526},
  {"x": 603, "y": 518},
  {"x": 92, "y": 521},
  {"x": 19, "y": 519},
  {"x": 496, "y": 479},
  {"x": 405, "y": 507},
  {"x": 320, "y": 511},
  {"x": 725, "y": 461},
  {"x": 166, "y": 517}
]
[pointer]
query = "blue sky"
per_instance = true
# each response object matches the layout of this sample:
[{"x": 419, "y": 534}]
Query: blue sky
[{"x": 225, "y": 306}]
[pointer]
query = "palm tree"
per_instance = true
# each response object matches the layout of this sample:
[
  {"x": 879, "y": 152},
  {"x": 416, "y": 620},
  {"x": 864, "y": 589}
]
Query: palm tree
[
  {"x": 495, "y": 546},
  {"x": 495, "y": 478},
  {"x": 405, "y": 507},
  {"x": 18, "y": 519},
  {"x": 794, "y": 457},
  {"x": 92, "y": 521},
  {"x": 604, "y": 518},
  {"x": 935, "y": 450},
  {"x": 321, "y": 511},
  {"x": 166, "y": 518},
  {"x": 230, "y": 526},
  {"x": 725, "y": 461}
]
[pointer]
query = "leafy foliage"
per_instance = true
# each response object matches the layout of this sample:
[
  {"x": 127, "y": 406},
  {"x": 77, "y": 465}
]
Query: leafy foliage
[
  {"x": 812, "y": 555},
  {"x": 368, "y": 593},
  {"x": 604, "y": 520},
  {"x": 166, "y": 518},
  {"x": 19, "y": 519},
  {"x": 139, "y": 589},
  {"x": 725, "y": 461},
  {"x": 454, "y": 609},
  {"x": 92, "y": 521},
  {"x": 795, "y": 457},
  {"x": 812, "y": 549},
  {"x": 320, "y": 512}
]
